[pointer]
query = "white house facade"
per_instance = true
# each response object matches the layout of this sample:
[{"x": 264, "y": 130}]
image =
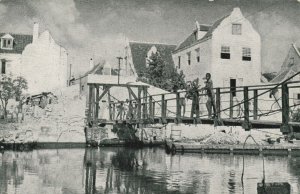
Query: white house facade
[
  {"x": 230, "y": 50},
  {"x": 37, "y": 58}
]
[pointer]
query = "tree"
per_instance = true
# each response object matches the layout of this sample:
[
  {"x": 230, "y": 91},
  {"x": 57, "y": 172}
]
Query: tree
[
  {"x": 11, "y": 88},
  {"x": 159, "y": 74}
]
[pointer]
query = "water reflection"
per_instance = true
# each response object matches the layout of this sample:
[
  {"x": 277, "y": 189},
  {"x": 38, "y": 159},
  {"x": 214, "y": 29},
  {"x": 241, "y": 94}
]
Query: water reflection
[{"x": 119, "y": 170}]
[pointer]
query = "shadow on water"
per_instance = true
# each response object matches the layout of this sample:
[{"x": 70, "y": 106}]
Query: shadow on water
[{"x": 126, "y": 170}]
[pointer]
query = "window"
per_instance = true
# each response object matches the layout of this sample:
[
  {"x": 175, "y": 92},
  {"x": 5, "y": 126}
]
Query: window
[
  {"x": 3, "y": 66},
  {"x": 179, "y": 62},
  {"x": 198, "y": 55},
  {"x": 225, "y": 52},
  {"x": 6, "y": 43},
  {"x": 246, "y": 54},
  {"x": 236, "y": 29},
  {"x": 189, "y": 58}
]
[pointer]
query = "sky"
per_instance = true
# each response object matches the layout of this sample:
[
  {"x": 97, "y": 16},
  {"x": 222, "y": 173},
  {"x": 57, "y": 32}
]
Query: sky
[{"x": 98, "y": 28}]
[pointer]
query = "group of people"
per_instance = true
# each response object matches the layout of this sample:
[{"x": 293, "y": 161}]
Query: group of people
[
  {"x": 126, "y": 110},
  {"x": 192, "y": 92}
]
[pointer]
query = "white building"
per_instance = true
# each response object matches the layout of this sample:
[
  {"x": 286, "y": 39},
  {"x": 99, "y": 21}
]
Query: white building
[
  {"x": 37, "y": 58},
  {"x": 230, "y": 50}
]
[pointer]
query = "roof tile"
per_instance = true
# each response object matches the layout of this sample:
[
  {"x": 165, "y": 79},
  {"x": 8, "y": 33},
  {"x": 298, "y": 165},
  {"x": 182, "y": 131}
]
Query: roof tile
[
  {"x": 191, "y": 39},
  {"x": 20, "y": 42}
]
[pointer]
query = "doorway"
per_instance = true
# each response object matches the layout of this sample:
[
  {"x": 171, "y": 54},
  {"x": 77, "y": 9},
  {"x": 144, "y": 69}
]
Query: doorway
[{"x": 233, "y": 87}]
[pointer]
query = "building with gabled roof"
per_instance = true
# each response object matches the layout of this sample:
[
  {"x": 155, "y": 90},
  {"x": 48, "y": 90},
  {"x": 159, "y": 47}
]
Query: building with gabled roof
[
  {"x": 37, "y": 58},
  {"x": 229, "y": 49},
  {"x": 290, "y": 66},
  {"x": 137, "y": 54}
]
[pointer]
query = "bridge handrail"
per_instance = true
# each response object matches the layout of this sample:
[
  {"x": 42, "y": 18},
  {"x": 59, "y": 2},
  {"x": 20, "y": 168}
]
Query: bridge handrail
[
  {"x": 249, "y": 99},
  {"x": 251, "y": 88}
]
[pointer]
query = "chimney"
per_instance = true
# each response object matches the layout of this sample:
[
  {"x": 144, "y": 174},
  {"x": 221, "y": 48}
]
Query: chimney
[
  {"x": 91, "y": 63},
  {"x": 35, "y": 33}
]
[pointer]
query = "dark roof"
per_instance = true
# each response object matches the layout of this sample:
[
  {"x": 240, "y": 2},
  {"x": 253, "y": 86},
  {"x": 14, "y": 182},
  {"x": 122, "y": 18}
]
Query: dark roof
[
  {"x": 270, "y": 75},
  {"x": 139, "y": 53},
  {"x": 287, "y": 70},
  {"x": 191, "y": 39},
  {"x": 20, "y": 42}
]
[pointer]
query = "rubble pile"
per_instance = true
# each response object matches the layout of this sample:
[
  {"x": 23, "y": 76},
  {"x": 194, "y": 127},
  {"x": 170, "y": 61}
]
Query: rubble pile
[
  {"x": 221, "y": 138},
  {"x": 59, "y": 120}
]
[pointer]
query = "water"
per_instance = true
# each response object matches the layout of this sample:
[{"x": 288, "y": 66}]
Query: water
[{"x": 120, "y": 170}]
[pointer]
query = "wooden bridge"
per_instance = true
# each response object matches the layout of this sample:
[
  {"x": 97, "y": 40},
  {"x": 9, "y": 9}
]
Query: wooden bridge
[{"x": 246, "y": 106}]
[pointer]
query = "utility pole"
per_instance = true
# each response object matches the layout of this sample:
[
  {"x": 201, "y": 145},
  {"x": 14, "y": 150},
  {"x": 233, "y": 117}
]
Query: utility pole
[{"x": 119, "y": 60}]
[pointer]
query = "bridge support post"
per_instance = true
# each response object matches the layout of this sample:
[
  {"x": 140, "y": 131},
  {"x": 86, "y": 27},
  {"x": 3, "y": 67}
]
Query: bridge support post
[
  {"x": 151, "y": 110},
  {"x": 246, "y": 124},
  {"x": 231, "y": 104},
  {"x": 217, "y": 119},
  {"x": 139, "y": 105},
  {"x": 218, "y": 102},
  {"x": 285, "y": 127},
  {"x": 145, "y": 115},
  {"x": 109, "y": 106},
  {"x": 255, "y": 104},
  {"x": 90, "y": 110},
  {"x": 97, "y": 104},
  {"x": 163, "y": 109},
  {"x": 178, "y": 108}
]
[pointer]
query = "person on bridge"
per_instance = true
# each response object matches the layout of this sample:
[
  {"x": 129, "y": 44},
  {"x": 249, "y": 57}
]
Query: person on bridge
[
  {"x": 210, "y": 94},
  {"x": 121, "y": 110}
]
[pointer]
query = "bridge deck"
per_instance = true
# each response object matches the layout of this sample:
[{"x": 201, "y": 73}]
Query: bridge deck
[{"x": 259, "y": 124}]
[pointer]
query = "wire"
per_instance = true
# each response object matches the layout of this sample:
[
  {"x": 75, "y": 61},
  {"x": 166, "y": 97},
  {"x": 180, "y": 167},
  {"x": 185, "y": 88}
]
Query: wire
[{"x": 243, "y": 170}]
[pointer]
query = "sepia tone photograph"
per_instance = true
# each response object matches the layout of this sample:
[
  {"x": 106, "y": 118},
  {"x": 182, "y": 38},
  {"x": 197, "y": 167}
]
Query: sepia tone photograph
[{"x": 150, "y": 97}]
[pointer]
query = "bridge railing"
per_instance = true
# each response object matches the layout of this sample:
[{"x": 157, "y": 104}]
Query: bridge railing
[{"x": 241, "y": 103}]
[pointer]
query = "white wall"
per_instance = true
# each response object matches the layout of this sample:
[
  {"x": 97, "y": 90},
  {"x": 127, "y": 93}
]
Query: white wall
[
  {"x": 246, "y": 72},
  {"x": 13, "y": 63},
  {"x": 249, "y": 72},
  {"x": 195, "y": 69},
  {"x": 44, "y": 64}
]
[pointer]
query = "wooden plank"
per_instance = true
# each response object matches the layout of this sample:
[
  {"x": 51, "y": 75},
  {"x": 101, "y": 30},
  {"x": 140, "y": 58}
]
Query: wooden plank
[
  {"x": 255, "y": 104},
  {"x": 145, "y": 115},
  {"x": 153, "y": 109},
  {"x": 230, "y": 105},
  {"x": 163, "y": 111},
  {"x": 151, "y": 113},
  {"x": 285, "y": 128},
  {"x": 139, "y": 104},
  {"x": 132, "y": 93},
  {"x": 178, "y": 107},
  {"x": 218, "y": 102},
  {"x": 106, "y": 88},
  {"x": 90, "y": 103},
  {"x": 109, "y": 105},
  {"x": 246, "y": 123},
  {"x": 120, "y": 85},
  {"x": 97, "y": 104}
]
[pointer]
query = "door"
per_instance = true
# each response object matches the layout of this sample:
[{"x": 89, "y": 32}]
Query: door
[{"x": 233, "y": 87}]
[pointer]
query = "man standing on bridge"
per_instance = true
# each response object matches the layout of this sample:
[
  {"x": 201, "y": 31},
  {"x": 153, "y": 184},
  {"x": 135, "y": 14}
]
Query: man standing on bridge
[{"x": 210, "y": 94}]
